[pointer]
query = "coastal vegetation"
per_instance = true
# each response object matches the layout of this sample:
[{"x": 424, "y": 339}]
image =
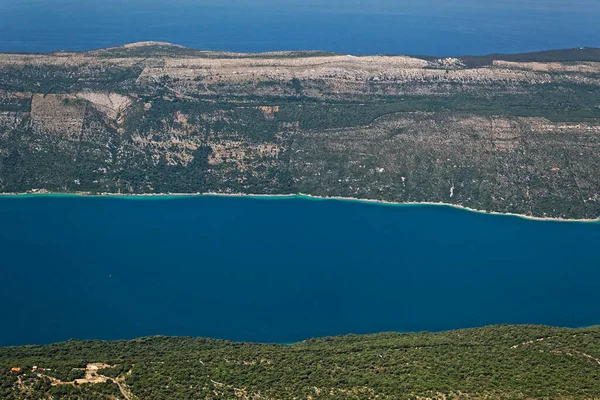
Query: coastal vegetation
[
  {"x": 496, "y": 362},
  {"x": 504, "y": 133}
]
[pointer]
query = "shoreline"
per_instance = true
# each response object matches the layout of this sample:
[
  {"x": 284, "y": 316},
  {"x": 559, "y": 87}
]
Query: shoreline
[{"x": 291, "y": 196}]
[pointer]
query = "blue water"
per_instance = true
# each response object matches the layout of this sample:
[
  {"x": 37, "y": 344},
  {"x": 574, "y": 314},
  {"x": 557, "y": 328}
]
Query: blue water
[
  {"x": 285, "y": 270},
  {"x": 282, "y": 270},
  {"x": 433, "y": 27}
]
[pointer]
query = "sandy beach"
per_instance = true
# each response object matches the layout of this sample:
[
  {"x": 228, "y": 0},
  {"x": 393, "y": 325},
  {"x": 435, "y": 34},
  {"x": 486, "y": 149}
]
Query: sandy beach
[{"x": 290, "y": 196}]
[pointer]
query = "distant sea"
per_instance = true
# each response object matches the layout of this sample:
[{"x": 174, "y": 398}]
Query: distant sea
[
  {"x": 431, "y": 27},
  {"x": 282, "y": 270}
]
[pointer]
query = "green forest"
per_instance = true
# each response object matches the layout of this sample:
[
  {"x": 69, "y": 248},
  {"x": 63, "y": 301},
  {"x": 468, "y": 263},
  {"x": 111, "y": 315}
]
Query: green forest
[{"x": 495, "y": 362}]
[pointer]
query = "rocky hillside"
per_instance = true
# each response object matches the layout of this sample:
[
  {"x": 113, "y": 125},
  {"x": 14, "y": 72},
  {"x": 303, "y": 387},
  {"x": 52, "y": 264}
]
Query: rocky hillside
[{"x": 505, "y": 133}]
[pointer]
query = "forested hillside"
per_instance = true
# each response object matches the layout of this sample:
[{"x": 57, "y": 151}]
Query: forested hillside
[
  {"x": 505, "y": 133},
  {"x": 497, "y": 362}
]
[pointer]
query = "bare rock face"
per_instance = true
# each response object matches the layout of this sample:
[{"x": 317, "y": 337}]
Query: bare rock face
[
  {"x": 111, "y": 104},
  {"x": 514, "y": 133}
]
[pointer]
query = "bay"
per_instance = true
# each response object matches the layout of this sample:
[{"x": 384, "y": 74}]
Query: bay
[{"x": 281, "y": 269}]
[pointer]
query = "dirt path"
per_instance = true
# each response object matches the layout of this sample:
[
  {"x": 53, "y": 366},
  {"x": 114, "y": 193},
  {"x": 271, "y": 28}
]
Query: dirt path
[
  {"x": 123, "y": 388},
  {"x": 589, "y": 357},
  {"x": 570, "y": 353}
]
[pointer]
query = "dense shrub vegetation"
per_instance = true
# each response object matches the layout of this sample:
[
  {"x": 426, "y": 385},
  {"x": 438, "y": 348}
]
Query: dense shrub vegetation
[{"x": 492, "y": 362}]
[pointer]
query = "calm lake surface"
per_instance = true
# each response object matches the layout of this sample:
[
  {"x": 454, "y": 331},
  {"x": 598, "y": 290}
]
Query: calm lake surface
[
  {"x": 281, "y": 270},
  {"x": 432, "y": 27}
]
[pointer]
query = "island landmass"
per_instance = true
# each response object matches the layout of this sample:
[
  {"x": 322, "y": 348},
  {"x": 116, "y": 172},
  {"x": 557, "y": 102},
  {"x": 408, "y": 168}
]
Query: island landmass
[{"x": 512, "y": 134}]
